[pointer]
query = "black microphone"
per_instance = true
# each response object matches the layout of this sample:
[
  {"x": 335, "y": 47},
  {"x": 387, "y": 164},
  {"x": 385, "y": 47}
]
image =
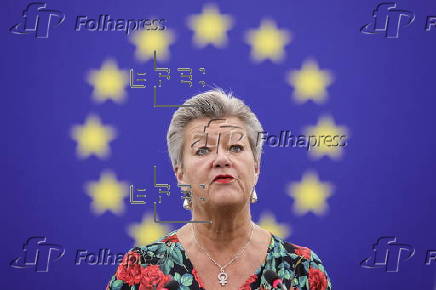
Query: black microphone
[
  {"x": 273, "y": 279},
  {"x": 172, "y": 285}
]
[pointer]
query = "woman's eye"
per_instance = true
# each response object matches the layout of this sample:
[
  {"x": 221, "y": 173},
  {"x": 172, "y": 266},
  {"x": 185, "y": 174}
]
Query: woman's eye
[
  {"x": 202, "y": 151},
  {"x": 236, "y": 148}
]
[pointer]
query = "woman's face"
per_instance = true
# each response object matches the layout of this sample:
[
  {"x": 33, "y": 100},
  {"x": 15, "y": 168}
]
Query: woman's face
[{"x": 218, "y": 162}]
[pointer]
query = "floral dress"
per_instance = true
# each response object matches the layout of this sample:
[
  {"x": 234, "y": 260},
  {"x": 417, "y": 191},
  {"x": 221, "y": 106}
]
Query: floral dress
[{"x": 152, "y": 266}]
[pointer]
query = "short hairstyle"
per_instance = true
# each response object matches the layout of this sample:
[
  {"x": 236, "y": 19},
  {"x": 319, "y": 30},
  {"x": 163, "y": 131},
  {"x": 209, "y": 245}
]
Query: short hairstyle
[{"x": 213, "y": 104}]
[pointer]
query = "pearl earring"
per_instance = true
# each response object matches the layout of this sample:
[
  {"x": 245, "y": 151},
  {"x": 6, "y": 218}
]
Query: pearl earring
[
  {"x": 187, "y": 205},
  {"x": 253, "y": 197},
  {"x": 187, "y": 200}
]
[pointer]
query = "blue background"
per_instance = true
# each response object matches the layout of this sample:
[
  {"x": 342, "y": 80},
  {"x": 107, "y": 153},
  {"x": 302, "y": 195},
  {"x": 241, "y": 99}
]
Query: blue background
[{"x": 384, "y": 93}]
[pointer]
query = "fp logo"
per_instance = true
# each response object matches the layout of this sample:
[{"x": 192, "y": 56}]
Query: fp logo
[
  {"x": 37, "y": 19},
  {"x": 387, "y": 19},
  {"x": 387, "y": 254},
  {"x": 37, "y": 253}
]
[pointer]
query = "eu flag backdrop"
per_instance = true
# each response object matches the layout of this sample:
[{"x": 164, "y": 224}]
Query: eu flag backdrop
[{"x": 89, "y": 88}]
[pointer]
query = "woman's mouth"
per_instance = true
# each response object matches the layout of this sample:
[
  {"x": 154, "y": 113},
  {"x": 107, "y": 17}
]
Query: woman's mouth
[{"x": 223, "y": 179}]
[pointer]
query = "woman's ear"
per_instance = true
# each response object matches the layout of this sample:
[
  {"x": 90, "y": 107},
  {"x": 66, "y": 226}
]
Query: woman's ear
[{"x": 178, "y": 172}]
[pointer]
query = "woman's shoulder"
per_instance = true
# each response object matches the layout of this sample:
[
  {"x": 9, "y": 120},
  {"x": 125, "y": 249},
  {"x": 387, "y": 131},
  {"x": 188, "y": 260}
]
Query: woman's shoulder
[
  {"x": 304, "y": 261},
  {"x": 303, "y": 252},
  {"x": 156, "y": 263},
  {"x": 163, "y": 242},
  {"x": 149, "y": 252},
  {"x": 166, "y": 250}
]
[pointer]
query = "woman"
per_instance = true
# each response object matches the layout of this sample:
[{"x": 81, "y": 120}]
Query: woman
[{"x": 213, "y": 147}]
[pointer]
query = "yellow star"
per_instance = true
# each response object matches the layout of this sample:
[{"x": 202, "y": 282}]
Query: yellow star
[
  {"x": 268, "y": 222},
  {"x": 310, "y": 83},
  {"x": 310, "y": 194},
  {"x": 148, "y": 41},
  {"x": 268, "y": 42},
  {"x": 330, "y": 139},
  {"x": 93, "y": 138},
  {"x": 107, "y": 194},
  {"x": 210, "y": 27},
  {"x": 108, "y": 82},
  {"x": 147, "y": 231}
]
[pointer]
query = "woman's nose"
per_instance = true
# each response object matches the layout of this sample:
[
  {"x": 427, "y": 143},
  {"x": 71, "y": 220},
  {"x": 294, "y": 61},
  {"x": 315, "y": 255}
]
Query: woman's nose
[{"x": 222, "y": 159}]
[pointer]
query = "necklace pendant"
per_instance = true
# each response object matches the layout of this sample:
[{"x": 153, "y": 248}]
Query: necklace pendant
[{"x": 222, "y": 277}]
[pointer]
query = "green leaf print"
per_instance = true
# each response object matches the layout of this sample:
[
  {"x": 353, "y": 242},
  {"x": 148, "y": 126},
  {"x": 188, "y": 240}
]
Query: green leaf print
[
  {"x": 177, "y": 277},
  {"x": 186, "y": 280},
  {"x": 117, "y": 284},
  {"x": 152, "y": 248},
  {"x": 176, "y": 254},
  {"x": 302, "y": 280}
]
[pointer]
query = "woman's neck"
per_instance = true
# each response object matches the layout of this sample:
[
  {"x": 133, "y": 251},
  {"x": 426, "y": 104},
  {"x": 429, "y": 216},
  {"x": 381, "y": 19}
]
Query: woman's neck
[{"x": 227, "y": 235}]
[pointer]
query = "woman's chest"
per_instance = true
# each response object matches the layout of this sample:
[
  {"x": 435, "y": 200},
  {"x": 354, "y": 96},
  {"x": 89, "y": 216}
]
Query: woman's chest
[{"x": 233, "y": 277}]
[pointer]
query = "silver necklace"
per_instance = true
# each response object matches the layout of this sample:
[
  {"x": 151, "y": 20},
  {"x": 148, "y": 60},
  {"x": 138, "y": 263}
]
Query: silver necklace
[{"x": 223, "y": 276}]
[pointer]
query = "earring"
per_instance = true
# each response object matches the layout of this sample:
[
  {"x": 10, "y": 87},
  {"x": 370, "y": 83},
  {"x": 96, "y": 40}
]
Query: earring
[
  {"x": 187, "y": 202},
  {"x": 187, "y": 205},
  {"x": 253, "y": 197},
  {"x": 187, "y": 196}
]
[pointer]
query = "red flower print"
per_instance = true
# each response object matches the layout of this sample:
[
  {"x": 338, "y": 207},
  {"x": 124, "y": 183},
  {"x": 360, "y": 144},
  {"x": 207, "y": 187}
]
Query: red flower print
[
  {"x": 129, "y": 269},
  {"x": 303, "y": 251},
  {"x": 197, "y": 278},
  {"x": 247, "y": 283},
  {"x": 152, "y": 277},
  {"x": 317, "y": 279},
  {"x": 172, "y": 238}
]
